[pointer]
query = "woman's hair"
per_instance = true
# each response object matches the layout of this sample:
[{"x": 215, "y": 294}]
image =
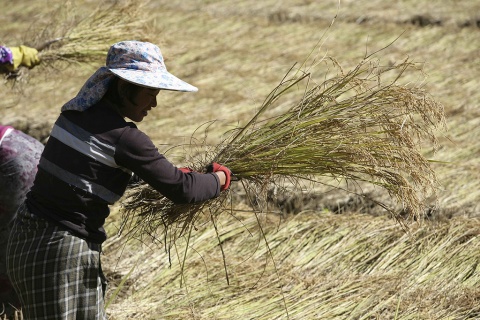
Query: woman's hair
[{"x": 131, "y": 90}]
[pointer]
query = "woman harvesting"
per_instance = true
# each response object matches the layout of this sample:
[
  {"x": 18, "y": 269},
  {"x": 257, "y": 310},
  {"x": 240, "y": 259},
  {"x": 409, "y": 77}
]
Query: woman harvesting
[{"x": 53, "y": 256}]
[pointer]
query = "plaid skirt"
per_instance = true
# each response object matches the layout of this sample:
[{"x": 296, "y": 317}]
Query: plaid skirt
[{"x": 55, "y": 274}]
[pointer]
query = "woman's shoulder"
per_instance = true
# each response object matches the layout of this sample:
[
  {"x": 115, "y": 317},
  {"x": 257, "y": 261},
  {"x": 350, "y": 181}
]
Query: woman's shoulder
[{"x": 133, "y": 135}]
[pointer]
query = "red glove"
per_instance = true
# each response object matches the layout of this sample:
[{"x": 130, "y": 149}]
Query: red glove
[
  {"x": 214, "y": 167},
  {"x": 185, "y": 169}
]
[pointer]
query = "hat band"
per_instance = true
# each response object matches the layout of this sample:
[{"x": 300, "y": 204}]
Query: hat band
[{"x": 139, "y": 65}]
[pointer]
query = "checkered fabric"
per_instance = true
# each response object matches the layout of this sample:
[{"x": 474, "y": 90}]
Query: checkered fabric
[{"x": 56, "y": 274}]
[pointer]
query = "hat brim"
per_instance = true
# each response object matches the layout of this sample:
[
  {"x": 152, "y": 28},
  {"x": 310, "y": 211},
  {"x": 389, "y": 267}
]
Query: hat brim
[{"x": 157, "y": 80}]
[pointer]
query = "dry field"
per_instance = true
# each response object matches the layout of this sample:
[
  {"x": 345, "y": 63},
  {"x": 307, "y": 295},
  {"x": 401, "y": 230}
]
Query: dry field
[{"x": 335, "y": 258}]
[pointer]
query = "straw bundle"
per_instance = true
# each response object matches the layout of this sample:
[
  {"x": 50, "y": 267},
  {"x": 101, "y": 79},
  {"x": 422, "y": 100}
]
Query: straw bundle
[
  {"x": 72, "y": 39},
  {"x": 354, "y": 126}
]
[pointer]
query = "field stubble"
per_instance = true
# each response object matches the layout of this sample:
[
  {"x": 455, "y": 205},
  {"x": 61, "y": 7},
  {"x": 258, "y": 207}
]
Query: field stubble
[{"x": 327, "y": 266}]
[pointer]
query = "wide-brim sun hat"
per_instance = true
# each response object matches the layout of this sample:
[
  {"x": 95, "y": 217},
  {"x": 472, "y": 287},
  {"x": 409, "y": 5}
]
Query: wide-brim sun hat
[
  {"x": 137, "y": 62},
  {"x": 142, "y": 63}
]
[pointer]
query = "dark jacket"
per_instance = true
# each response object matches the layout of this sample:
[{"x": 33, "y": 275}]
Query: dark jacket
[{"x": 88, "y": 162}]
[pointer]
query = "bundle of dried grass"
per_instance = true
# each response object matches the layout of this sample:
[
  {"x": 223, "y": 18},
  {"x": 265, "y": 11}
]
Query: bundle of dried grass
[
  {"x": 69, "y": 38},
  {"x": 360, "y": 126}
]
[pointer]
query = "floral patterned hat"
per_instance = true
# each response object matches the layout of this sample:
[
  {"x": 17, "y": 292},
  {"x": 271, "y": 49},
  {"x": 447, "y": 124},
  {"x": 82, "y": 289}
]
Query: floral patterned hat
[{"x": 134, "y": 61}]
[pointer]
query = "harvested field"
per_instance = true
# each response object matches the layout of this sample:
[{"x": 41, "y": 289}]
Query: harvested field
[{"x": 319, "y": 254}]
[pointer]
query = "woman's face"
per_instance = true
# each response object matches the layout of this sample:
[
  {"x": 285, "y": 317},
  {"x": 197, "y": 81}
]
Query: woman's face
[{"x": 137, "y": 105}]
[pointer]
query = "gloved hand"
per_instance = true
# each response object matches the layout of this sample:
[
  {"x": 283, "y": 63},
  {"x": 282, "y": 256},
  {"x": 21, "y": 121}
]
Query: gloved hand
[
  {"x": 185, "y": 169},
  {"x": 24, "y": 56},
  {"x": 214, "y": 167}
]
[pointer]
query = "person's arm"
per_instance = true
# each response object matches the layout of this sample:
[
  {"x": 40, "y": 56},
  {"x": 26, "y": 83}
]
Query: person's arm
[
  {"x": 222, "y": 177},
  {"x": 14, "y": 57},
  {"x": 137, "y": 152}
]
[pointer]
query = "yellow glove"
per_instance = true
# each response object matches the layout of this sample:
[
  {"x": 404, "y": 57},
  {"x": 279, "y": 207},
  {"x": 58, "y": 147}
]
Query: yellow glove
[{"x": 24, "y": 56}]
